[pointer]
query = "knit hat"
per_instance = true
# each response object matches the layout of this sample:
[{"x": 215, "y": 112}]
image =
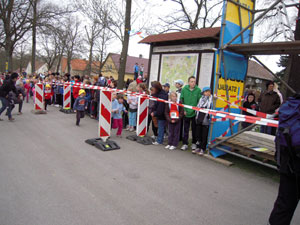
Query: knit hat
[
  {"x": 179, "y": 82},
  {"x": 47, "y": 86},
  {"x": 81, "y": 91},
  {"x": 206, "y": 89},
  {"x": 166, "y": 85}
]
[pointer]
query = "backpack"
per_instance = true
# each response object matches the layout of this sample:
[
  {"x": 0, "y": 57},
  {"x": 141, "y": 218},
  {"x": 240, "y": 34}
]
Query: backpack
[{"x": 288, "y": 134}]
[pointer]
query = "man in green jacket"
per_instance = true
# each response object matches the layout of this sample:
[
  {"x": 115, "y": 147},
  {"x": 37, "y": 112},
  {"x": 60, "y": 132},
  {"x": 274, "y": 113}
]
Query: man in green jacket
[{"x": 190, "y": 95}]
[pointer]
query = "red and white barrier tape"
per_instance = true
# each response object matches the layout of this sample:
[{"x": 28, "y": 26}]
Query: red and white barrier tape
[
  {"x": 251, "y": 111},
  {"x": 232, "y": 116}
]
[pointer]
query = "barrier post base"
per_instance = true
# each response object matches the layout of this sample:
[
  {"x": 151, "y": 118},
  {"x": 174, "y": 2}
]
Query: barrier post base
[
  {"x": 67, "y": 111},
  {"x": 99, "y": 143},
  {"x": 145, "y": 140}
]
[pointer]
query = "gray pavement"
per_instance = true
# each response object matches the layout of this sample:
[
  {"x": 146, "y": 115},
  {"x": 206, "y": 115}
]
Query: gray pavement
[{"x": 48, "y": 175}]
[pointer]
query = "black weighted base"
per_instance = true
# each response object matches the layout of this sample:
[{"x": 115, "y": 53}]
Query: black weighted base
[
  {"x": 107, "y": 145},
  {"x": 67, "y": 111},
  {"x": 142, "y": 140}
]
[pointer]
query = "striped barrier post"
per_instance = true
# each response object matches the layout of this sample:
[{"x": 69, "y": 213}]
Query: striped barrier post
[
  {"x": 142, "y": 116},
  {"x": 67, "y": 97},
  {"x": 39, "y": 97},
  {"x": 105, "y": 114}
]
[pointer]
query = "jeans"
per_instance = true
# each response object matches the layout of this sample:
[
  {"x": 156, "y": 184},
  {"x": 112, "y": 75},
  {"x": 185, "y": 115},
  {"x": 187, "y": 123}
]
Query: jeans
[
  {"x": 161, "y": 131},
  {"x": 79, "y": 115},
  {"x": 267, "y": 130},
  {"x": 186, "y": 126},
  {"x": 5, "y": 104},
  {"x": 132, "y": 119},
  {"x": 202, "y": 135}
]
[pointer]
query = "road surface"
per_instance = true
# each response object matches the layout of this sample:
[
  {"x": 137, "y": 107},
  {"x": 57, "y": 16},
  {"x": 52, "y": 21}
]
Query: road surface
[{"x": 50, "y": 176}]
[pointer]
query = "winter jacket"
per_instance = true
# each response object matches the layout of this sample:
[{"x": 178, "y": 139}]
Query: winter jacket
[
  {"x": 76, "y": 89},
  {"x": 8, "y": 85},
  {"x": 134, "y": 103},
  {"x": 191, "y": 98},
  {"x": 269, "y": 102},
  {"x": 117, "y": 106},
  {"x": 167, "y": 113},
  {"x": 48, "y": 93},
  {"x": 159, "y": 107},
  {"x": 250, "y": 105},
  {"x": 80, "y": 104}
]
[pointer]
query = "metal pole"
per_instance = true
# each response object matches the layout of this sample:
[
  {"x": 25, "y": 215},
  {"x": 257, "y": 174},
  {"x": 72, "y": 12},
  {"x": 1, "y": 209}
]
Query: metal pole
[
  {"x": 240, "y": 20},
  {"x": 232, "y": 136},
  {"x": 226, "y": 88},
  {"x": 287, "y": 6},
  {"x": 285, "y": 83},
  {"x": 252, "y": 28},
  {"x": 251, "y": 24},
  {"x": 247, "y": 158},
  {"x": 219, "y": 66}
]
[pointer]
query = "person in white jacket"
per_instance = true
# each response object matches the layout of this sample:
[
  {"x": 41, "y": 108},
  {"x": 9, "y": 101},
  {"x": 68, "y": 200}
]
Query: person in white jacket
[{"x": 133, "y": 103}]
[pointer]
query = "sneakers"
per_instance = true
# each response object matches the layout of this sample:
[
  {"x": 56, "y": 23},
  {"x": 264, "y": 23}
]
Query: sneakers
[
  {"x": 128, "y": 128},
  {"x": 172, "y": 148},
  {"x": 168, "y": 146},
  {"x": 201, "y": 152},
  {"x": 194, "y": 146},
  {"x": 11, "y": 119},
  {"x": 195, "y": 151},
  {"x": 155, "y": 143},
  {"x": 131, "y": 129},
  {"x": 184, "y": 147}
]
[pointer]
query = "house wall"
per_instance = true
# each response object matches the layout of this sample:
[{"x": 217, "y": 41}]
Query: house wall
[{"x": 109, "y": 69}]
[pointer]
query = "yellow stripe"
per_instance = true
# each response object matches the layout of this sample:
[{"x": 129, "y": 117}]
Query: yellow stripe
[{"x": 232, "y": 13}]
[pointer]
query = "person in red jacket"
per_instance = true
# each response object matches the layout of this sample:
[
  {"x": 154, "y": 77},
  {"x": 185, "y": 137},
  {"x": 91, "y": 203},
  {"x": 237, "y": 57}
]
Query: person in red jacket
[
  {"x": 48, "y": 93},
  {"x": 75, "y": 89}
]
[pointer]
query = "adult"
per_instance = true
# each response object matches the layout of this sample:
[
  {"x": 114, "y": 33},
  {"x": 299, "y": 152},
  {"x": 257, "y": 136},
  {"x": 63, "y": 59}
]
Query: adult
[
  {"x": 179, "y": 84},
  {"x": 288, "y": 162},
  {"x": 268, "y": 102},
  {"x": 8, "y": 85},
  {"x": 136, "y": 71},
  {"x": 20, "y": 95},
  {"x": 166, "y": 88},
  {"x": 101, "y": 81},
  {"x": 159, "y": 111},
  {"x": 190, "y": 95},
  {"x": 250, "y": 103},
  {"x": 142, "y": 70}
]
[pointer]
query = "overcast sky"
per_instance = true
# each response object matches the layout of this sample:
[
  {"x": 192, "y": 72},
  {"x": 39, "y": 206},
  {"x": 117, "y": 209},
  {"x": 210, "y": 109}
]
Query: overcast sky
[{"x": 160, "y": 8}]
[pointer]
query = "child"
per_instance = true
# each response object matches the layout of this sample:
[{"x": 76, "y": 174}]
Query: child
[
  {"x": 249, "y": 104},
  {"x": 80, "y": 105},
  {"x": 27, "y": 88},
  {"x": 117, "y": 108},
  {"x": 174, "y": 115},
  {"x": 133, "y": 102},
  {"x": 48, "y": 94},
  {"x": 202, "y": 121}
]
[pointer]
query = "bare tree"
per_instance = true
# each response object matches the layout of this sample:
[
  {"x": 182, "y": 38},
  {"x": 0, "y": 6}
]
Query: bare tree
[
  {"x": 14, "y": 24},
  {"x": 73, "y": 42},
  {"x": 43, "y": 16},
  {"x": 21, "y": 50},
  {"x": 192, "y": 14},
  {"x": 49, "y": 42}
]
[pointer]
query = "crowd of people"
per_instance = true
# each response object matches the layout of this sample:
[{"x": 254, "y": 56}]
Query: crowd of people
[{"x": 166, "y": 120}]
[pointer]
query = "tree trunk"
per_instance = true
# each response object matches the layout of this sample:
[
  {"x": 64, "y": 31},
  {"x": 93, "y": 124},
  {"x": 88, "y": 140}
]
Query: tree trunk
[
  {"x": 69, "y": 64},
  {"x": 89, "y": 66},
  {"x": 9, "y": 56},
  {"x": 123, "y": 58},
  {"x": 33, "y": 52}
]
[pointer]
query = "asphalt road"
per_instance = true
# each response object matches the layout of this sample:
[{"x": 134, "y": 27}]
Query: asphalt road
[{"x": 49, "y": 175}]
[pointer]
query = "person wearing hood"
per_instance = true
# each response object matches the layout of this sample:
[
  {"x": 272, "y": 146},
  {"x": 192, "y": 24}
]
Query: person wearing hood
[
  {"x": 202, "y": 121},
  {"x": 249, "y": 104},
  {"x": 8, "y": 85},
  {"x": 159, "y": 111},
  {"x": 190, "y": 95}
]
